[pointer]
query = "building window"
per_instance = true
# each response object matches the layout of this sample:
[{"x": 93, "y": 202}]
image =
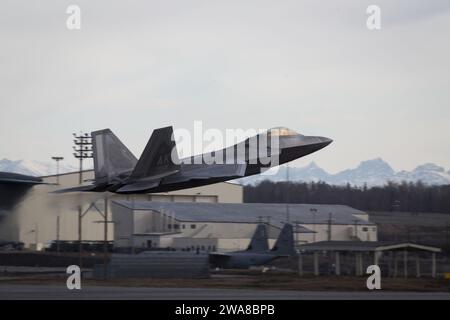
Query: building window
[
  {"x": 203, "y": 248},
  {"x": 169, "y": 226},
  {"x": 193, "y": 226},
  {"x": 176, "y": 226},
  {"x": 184, "y": 226},
  {"x": 365, "y": 229}
]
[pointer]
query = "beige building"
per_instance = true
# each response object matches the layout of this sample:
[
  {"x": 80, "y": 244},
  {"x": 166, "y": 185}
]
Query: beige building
[
  {"x": 43, "y": 216},
  {"x": 230, "y": 226}
]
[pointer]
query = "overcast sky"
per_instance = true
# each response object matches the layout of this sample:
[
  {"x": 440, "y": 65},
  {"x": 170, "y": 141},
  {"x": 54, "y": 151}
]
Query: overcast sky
[{"x": 312, "y": 66}]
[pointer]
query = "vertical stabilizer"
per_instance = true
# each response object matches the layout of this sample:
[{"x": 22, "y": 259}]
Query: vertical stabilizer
[
  {"x": 284, "y": 246},
  {"x": 160, "y": 157},
  {"x": 111, "y": 156},
  {"x": 259, "y": 242}
]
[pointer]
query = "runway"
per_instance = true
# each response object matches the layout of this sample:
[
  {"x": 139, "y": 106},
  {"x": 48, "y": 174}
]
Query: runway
[{"x": 55, "y": 292}]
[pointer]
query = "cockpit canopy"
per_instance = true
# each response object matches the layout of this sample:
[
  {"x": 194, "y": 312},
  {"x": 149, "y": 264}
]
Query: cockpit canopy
[{"x": 282, "y": 132}]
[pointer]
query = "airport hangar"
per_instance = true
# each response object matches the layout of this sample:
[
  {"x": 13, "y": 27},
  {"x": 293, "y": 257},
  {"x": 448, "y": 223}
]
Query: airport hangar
[
  {"x": 229, "y": 226},
  {"x": 211, "y": 217}
]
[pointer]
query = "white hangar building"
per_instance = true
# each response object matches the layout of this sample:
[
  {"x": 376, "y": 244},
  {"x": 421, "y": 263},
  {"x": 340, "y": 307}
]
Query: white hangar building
[{"x": 230, "y": 226}]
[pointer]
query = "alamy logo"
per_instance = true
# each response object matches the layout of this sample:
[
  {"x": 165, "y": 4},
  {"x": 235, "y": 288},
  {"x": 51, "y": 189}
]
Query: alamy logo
[
  {"x": 73, "y": 22},
  {"x": 374, "y": 20},
  {"x": 374, "y": 280},
  {"x": 260, "y": 146},
  {"x": 74, "y": 280}
]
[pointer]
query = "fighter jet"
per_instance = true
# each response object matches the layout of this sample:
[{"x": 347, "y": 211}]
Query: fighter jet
[
  {"x": 258, "y": 252},
  {"x": 13, "y": 188},
  {"x": 160, "y": 170}
]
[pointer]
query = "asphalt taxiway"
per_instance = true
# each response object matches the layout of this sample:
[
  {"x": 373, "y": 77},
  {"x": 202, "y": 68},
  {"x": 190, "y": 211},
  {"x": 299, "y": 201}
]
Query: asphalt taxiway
[{"x": 50, "y": 292}]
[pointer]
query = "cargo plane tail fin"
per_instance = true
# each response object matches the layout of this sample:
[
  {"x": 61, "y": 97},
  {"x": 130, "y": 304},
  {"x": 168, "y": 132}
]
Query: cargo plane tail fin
[
  {"x": 259, "y": 242},
  {"x": 284, "y": 246}
]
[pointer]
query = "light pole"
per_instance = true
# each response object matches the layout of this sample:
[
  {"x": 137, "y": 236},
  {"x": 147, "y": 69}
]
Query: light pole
[
  {"x": 314, "y": 211},
  {"x": 57, "y": 159},
  {"x": 288, "y": 213},
  {"x": 83, "y": 150},
  {"x": 355, "y": 224},
  {"x": 297, "y": 228},
  {"x": 297, "y": 247},
  {"x": 330, "y": 220},
  {"x": 57, "y": 234}
]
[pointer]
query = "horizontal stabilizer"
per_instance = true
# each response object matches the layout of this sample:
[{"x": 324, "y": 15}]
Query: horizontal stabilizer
[
  {"x": 19, "y": 181},
  {"x": 203, "y": 172},
  {"x": 138, "y": 186},
  {"x": 76, "y": 189},
  {"x": 16, "y": 178}
]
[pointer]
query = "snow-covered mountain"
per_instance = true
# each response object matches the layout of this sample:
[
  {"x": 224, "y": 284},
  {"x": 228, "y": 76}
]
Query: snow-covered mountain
[
  {"x": 311, "y": 172},
  {"x": 34, "y": 168},
  {"x": 428, "y": 173},
  {"x": 374, "y": 172}
]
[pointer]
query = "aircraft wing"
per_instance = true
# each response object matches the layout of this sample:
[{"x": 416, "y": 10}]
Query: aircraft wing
[
  {"x": 139, "y": 186},
  {"x": 204, "y": 171},
  {"x": 77, "y": 189},
  {"x": 217, "y": 170},
  {"x": 219, "y": 254},
  {"x": 218, "y": 258}
]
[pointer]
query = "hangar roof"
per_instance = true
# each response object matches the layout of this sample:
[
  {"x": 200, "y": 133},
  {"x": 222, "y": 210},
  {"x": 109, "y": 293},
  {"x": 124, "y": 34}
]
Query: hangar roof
[{"x": 252, "y": 212}]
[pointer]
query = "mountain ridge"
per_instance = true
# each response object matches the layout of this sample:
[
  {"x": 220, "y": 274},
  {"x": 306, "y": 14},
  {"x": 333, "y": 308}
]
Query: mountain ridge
[{"x": 374, "y": 172}]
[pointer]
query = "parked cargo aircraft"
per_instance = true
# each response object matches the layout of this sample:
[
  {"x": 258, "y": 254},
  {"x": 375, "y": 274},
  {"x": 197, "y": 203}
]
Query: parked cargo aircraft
[
  {"x": 159, "y": 169},
  {"x": 258, "y": 252}
]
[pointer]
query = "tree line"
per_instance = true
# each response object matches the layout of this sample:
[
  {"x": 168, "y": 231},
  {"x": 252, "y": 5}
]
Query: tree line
[{"x": 409, "y": 197}]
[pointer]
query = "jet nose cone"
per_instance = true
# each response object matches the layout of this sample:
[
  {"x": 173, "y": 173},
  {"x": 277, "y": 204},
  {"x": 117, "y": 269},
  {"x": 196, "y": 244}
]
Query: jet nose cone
[
  {"x": 325, "y": 141},
  {"x": 320, "y": 141}
]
